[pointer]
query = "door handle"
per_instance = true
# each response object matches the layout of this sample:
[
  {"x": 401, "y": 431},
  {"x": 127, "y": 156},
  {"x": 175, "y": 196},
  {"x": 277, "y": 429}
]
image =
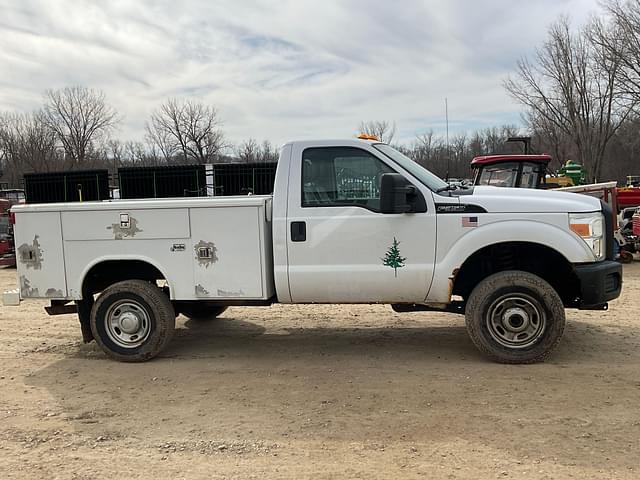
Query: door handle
[{"x": 298, "y": 231}]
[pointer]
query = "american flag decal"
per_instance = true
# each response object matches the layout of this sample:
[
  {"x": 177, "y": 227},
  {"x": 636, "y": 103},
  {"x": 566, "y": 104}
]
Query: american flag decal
[{"x": 469, "y": 221}]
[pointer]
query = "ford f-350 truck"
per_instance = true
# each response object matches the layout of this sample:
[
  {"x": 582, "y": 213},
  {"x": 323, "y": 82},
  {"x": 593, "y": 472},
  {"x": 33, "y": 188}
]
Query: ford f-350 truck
[{"x": 350, "y": 221}]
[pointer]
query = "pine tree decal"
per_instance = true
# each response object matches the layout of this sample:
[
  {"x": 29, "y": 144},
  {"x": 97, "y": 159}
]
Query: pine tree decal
[{"x": 393, "y": 258}]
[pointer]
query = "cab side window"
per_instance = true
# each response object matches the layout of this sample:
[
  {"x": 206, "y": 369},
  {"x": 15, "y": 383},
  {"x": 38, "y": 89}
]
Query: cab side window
[
  {"x": 341, "y": 176},
  {"x": 529, "y": 176}
]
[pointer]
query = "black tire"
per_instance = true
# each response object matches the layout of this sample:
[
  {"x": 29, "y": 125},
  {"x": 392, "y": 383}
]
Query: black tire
[
  {"x": 201, "y": 310},
  {"x": 515, "y": 317},
  {"x": 140, "y": 307}
]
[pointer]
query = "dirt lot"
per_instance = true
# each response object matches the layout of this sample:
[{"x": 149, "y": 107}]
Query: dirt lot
[{"x": 320, "y": 392}]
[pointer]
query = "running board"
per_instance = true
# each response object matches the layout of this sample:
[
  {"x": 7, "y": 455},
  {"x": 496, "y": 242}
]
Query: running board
[{"x": 453, "y": 307}]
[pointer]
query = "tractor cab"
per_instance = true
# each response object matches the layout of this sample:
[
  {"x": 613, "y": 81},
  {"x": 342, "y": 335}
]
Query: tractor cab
[{"x": 524, "y": 171}]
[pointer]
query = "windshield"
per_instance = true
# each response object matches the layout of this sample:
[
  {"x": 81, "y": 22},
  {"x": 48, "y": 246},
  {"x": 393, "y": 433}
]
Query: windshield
[
  {"x": 425, "y": 176},
  {"x": 500, "y": 175}
]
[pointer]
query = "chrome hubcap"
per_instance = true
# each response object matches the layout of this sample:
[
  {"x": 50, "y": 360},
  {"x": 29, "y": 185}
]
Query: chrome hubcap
[
  {"x": 128, "y": 324},
  {"x": 516, "y": 321}
]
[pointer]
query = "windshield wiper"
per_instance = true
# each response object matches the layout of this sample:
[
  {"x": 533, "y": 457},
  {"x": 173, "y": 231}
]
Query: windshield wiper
[
  {"x": 452, "y": 187},
  {"x": 448, "y": 188}
]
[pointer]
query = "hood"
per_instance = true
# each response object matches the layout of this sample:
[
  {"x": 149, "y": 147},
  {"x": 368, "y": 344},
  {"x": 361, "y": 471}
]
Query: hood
[{"x": 524, "y": 200}]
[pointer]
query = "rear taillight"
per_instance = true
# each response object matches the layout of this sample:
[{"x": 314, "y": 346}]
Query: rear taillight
[{"x": 12, "y": 218}]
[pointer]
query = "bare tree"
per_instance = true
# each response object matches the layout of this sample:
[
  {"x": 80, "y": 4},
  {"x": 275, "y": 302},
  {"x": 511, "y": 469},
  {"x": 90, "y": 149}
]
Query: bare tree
[
  {"x": 618, "y": 38},
  {"x": 248, "y": 150},
  {"x": 425, "y": 148},
  {"x": 79, "y": 117},
  {"x": 27, "y": 145},
  {"x": 384, "y": 130},
  {"x": 548, "y": 138},
  {"x": 624, "y": 151},
  {"x": 458, "y": 152},
  {"x": 572, "y": 87},
  {"x": 161, "y": 138},
  {"x": 268, "y": 153},
  {"x": 187, "y": 129},
  {"x": 476, "y": 144},
  {"x": 114, "y": 154},
  {"x": 140, "y": 155}
]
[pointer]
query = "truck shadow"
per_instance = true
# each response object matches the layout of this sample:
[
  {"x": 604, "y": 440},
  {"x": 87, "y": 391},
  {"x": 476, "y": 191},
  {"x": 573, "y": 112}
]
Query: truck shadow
[
  {"x": 582, "y": 341},
  {"x": 229, "y": 337},
  {"x": 239, "y": 337}
]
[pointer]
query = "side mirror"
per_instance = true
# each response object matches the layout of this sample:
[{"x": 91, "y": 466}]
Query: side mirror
[{"x": 397, "y": 195}]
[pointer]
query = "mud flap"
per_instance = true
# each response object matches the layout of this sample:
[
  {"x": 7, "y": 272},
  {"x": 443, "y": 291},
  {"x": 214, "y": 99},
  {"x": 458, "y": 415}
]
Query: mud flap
[{"x": 84, "y": 315}]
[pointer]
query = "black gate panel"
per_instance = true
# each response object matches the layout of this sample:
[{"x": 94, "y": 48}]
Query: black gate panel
[
  {"x": 66, "y": 186},
  {"x": 163, "y": 181}
]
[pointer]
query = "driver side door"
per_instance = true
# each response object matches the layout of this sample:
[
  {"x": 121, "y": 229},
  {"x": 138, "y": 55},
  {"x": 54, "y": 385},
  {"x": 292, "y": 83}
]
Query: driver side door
[{"x": 341, "y": 248}]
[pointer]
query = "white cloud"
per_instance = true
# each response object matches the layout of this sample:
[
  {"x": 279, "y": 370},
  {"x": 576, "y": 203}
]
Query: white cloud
[{"x": 280, "y": 70}]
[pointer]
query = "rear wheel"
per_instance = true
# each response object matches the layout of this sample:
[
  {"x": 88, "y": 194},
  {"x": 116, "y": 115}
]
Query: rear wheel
[
  {"x": 132, "y": 321},
  {"x": 515, "y": 317}
]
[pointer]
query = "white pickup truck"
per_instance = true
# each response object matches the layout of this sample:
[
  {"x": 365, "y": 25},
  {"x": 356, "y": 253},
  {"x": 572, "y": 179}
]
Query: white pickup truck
[{"x": 350, "y": 221}]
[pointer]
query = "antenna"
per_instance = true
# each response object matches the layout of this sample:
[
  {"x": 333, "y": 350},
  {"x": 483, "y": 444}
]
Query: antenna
[{"x": 446, "y": 115}]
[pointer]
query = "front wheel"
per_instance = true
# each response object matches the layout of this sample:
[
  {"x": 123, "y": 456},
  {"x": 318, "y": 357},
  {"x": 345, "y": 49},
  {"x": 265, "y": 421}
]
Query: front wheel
[
  {"x": 515, "y": 317},
  {"x": 132, "y": 321}
]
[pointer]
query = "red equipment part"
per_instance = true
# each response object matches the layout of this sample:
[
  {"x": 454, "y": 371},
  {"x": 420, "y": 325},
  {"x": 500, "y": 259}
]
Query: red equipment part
[
  {"x": 491, "y": 159},
  {"x": 628, "y": 197},
  {"x": 7, "y": 248}
]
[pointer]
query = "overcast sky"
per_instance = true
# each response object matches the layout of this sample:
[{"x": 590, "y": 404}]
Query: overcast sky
[{"x": 280, "y": 69}]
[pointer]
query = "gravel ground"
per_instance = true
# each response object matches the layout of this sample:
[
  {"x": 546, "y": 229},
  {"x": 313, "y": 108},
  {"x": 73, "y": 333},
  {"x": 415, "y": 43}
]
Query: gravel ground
[{"x": 320, "y": 392}]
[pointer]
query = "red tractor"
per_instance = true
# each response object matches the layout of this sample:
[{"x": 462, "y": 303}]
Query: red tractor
[{"x": 531, "y": 171}]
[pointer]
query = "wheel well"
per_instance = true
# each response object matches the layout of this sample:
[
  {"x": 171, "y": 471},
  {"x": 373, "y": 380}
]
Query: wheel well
[
  {"x": 106, "y": 273},
  {"x": 535, "y": 258}
]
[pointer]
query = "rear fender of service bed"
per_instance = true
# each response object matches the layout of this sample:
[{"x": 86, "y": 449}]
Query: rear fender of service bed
[{"x": 457, "y": 243}]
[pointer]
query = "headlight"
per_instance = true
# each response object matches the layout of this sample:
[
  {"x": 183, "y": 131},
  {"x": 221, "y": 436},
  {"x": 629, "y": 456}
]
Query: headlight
[{"x": 590, "y": 226}]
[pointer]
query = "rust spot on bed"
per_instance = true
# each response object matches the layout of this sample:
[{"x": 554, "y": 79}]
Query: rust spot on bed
[
  {"x": 31, "y": 255},
  {"x": 206, "y": 253},
  {"x": 26, "y": 290},
  {"x": 120, "y": 232},
  {"x": 201, "y": 291},
  {"x": 54, "y": 293},
  {"x": 226, "y": 293}
]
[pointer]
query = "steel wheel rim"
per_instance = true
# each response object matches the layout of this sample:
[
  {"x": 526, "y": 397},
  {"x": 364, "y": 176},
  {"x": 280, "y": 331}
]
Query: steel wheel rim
[
  {"x": 516, "y": 320},
  {"x": 128, "y": 324}
]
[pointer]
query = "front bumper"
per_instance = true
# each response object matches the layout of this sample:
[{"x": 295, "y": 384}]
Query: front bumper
[{"x": 599, "y": 283}]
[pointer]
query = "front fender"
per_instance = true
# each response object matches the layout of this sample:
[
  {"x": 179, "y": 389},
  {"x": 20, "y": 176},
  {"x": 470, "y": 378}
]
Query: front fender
[{"x": 452, "y": 251}]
